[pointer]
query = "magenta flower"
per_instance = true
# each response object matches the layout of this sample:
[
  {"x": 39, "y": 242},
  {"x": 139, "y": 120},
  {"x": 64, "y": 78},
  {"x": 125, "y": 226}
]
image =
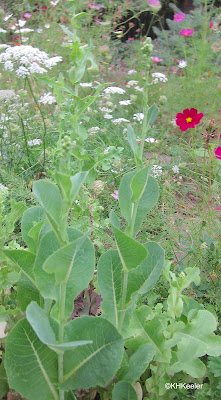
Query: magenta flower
[
  {"x": 188, "y": 119},
  {"x": 218, "y": 152},
  {"x": 115, "y": 194},
  {"x": 211, "y": 25},
  {"x": 27, "y": 15},
  {"x": 187, "y": 32},
  {"x": 157, "y": 59},
  {"x": 154, "y": 2},
  {"x": 178, "y": 17},
  {"x": 218, "y": 208}
]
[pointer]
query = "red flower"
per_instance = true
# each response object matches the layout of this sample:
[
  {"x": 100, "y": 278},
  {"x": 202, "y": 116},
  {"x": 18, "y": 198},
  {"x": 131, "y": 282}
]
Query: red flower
[
  {"x": 188, "y": 119},
  {"x": 44, "y": 8},
  {"x": 218, "y": 152}
]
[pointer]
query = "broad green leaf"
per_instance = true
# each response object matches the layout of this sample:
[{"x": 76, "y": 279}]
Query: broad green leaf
[
  {"x": 133, "y": 144},
  {"x": 109, "y": 275},
  {"x": 131, "y": 252},
  {"x": 14, "y": 215},
  {"x": 39, "y": 321},
  {"x": 73, "y": 266},
  {"x": 214, "y": 364},
  {"x": 137, "y": 363},
  {"x": 149, "y": 332},
  {"x": 32, "y": 217},
  {"x": 148, "y": 199},
  {"x": 48, "y": 196},
  {"x": 144, "y": 277},
  {"x": 76, "y": 182},
  {"x": 27, "y": 292},
  {"x": 24, "y": 261},
  {"x": 124, "y": 391},
  {"x": 3, "y": 380},
  {"x": 196, "y": 340},
  {"x": 151, "y": 115},
  {"x": 93, "y": 364},
  {"x": 70, "y": 185},
  {"x": 30, "y": 365},
  {"x": 139, "y": 183},
  {"x": 48, "y": 245},
  {"x": 114, "y": 220}
]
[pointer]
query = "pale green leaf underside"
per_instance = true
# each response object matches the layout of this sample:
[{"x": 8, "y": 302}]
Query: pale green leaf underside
[{"x": 124, "y": 391}]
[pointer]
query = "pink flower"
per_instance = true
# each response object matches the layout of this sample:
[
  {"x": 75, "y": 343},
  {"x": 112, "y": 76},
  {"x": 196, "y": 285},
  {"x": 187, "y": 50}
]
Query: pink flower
[
  {"x": 96, "y": 19},
  {"x": 178, "y": 17},
  {"x": 93, "y": 6},
  {"x": 157, "y": 59},
  {"x": 211, "y": 25},
  {"x": 130, "y": 39},
  {"x": 187, "y": 32},
  {"x": 115, "y": 194},
  {"x": 218, "y": 208},
  {"x": 174, "y": 68},
  {"x": 44, "y": 8},
  {"x": 218, "y": 152},
  {"x": 27, "y": 15},
  {"x": 154, "y": 2}
]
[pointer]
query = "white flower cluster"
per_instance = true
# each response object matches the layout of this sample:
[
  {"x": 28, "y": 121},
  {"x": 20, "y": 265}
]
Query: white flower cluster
[
  {"x": 175, "y": 169},
  {"x": 113, "y": 90},
  {"x": 47, "y": 98},
  {"x": 138, "y": 117},
  {"x": 119, "y": 120},
  {"x": 125, "y": 102},
  {"x": 159, "y": 77},
  {"x": 34, "y": 142},
  {"x": 2, "y": 187},
  {"x": 26, "y": 60},
  {"x": 156, "y": 170}
]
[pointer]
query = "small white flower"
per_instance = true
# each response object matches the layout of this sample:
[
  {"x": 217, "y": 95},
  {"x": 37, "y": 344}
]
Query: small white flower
[
  {"x": 47, "y": 26},
  {"x": 9, "y": 65},
  {"x": 182, "y": 63},
  {"x": 35, "y": 68},
  {"x": 54, "y": 2},
  {"x": 132, "y": 71},
  {"x": 113, "y": 90},
  {"x": 22, "y": 72},
  {"x": 151, "y": 140},
  {"x": 156, "y": 170},
  {"x": 119, "y": 120},
  {"x": 21, "y": 22},
  {"x": 34, "y": 142},
  {"x": 138, "y": 88},
  {"x": 106, "y": 151},
  {"x": 47, "y": 98},
  {"x": 176, "y": 169},
  {"x": 173, "y": 122},
  {"x": 24, "y": 30},
  {"x": 2, "y": 187},
  {"x": 125, "y": 102},
  {"x": 85, "y": 84},
  {"x": 3, "y": 46},
  {"x": 159, "y": 77},
  {"x": 2, "y": 30},
  {"x": 132, "y": 83},
  {"x": 39, "y": 30},
  {"x": 93, "y": 130},
  {"x": 108, "y": 116},
  {"x": 105, "y": 109},
  {"x": 7, "y": 17},
  {"x": 138, "y": 117}
]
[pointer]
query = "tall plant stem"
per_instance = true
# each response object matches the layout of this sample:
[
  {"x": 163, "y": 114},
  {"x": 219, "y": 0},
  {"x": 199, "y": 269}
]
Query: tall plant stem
[
  {"x": 123, "y": 299},
  {"x": 42, "y": 116},
  {"x": 61, "y": 337},
  {"x": 145, "y": 110},
  {"x": 26, "y": 142}
]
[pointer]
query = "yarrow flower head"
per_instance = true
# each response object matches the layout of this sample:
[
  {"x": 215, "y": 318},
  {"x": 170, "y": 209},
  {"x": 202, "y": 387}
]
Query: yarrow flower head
[
  {"x": 188, "y": 119},
  {"x": 187, "y": 32},
  {"x": 26, "y": 60},
  {"x": 113, "y": 90},
  {"x": 47, "y": 98},
  {"x": 218, "y": 153},
  {"x": 178, "y": 17},
  {"x": 159, "y": 77}
]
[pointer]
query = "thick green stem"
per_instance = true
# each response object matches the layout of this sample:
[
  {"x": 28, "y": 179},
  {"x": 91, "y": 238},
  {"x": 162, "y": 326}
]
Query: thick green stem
[
  {"x": 123, "y": 300},
  {"x": 61, "y": 337}
]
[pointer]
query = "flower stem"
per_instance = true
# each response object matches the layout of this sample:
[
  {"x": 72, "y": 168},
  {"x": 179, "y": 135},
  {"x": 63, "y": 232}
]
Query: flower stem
[{"x": 42, "y": 116}]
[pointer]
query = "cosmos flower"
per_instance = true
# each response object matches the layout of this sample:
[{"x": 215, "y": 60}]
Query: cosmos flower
[
  {"x": 115, "y": 194},
  {"x": 187, "y": 32},
  {"x": 178, "y": 17},
  {"x": 188, "y": 119},
  {"x": 157, "y": 59},
  {"x": 218, "y": 152}
]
